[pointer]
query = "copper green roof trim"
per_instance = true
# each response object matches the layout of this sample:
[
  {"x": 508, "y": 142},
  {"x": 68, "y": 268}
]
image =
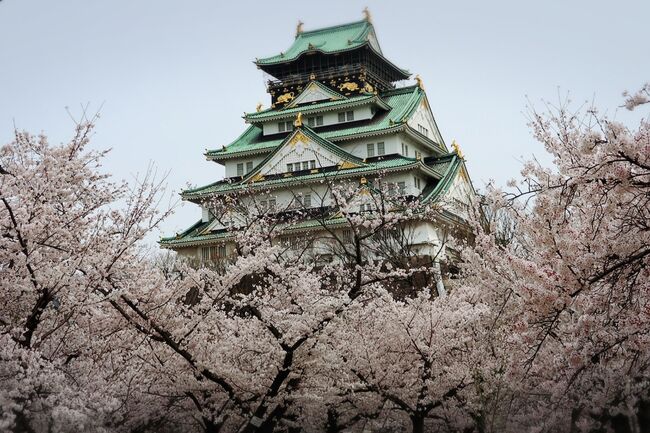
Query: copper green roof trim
[
  {"x": 327, "y": 40},
  {"x": 318, "y": 107},
  {"x": 450, "y": 165},
  {"x": 331, "y": 40},
  {"x": 402, "y": 102},
  {"x": 192, "y": 239},
  {"x": 193, "y": 230},
  {"x": 387, "y": 165}
]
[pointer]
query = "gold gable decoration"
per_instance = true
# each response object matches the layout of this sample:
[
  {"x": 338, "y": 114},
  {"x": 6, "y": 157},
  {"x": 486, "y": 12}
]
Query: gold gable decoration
[
  {"x": 298, "y": 122},
  {"x": 344, "y": 165},
  {"x": 298, "y": 137},
  {"x": 366, "y": 15},
  {"x": 258, "y": 177},
  {"x": 457, "y": 150},
  {"x": 419, "y": 81}
]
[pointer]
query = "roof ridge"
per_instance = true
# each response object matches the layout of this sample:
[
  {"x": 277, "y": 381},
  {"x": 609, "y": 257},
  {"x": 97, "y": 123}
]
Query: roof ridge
[
  {"x": 408, "y": 109},
  {"x": 399, "y": 90},
  {"x": 337, "y": 26}
]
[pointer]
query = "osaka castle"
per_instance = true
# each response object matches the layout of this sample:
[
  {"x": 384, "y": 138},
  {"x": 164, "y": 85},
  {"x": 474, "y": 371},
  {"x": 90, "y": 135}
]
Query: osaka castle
[{"x": 340, "y": 112}]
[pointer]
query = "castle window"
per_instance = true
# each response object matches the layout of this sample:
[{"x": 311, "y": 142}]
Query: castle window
[
  {"x": 401, "y": 187},
  {"x": 289, "y": 167},
  {"x": 249, "y": 166},
  {"x": 422, "y": 130},
  {"x": 312, "y": 164},
  {"x": 315, "y": 121},
  {"x": 347, "y": 235},
  {"x": 305, "y": 165},
  {"x": 267, "y": 204},
  {"x": 303, "y": 201},
  {"x": 292, "y": 242},
  {"x": 371, "y": 150},
  {"x": 213, "y": 253},
  {"x": 240, "y": 169},
  {"x": 416, "y": 182},
  {"x": 346, "y": 116},
  {"x": 461, "y": 205},
  {"x": 381, "y": 149},
  {"x": 405, "y": 149},
  {"x": 285, "y": 126},
  {"x": 366, "y": 207}
]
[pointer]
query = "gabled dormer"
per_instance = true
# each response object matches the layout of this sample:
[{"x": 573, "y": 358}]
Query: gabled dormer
[
  {"x": 315, "y": 92},
  {"x": 303, "y": 151}
]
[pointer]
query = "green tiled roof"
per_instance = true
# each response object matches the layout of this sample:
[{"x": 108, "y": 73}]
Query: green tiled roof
[
  {"x": 389, "y": 164},
  {"x": 192, "y": 231},
  {"x": 226, "y": 186},
  {"x": 193, "y": 237},
  {"x": 328, "y": 40},
  {"x": 402, "y": 103},
  {"x": 447, "y": 166},
  {"x": 273, "y": 114}
]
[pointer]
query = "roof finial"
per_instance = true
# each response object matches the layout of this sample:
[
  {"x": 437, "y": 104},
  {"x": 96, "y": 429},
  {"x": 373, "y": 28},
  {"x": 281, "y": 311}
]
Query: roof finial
[
  {"x": 299, "y": 28},
  {"x": 366, "y": 15},
  {"x": 456, "y": 148},
  {"x": 298, "y": 122},
  {"x": 258, "y": 107},
  {"x": 419, "y": 81}
]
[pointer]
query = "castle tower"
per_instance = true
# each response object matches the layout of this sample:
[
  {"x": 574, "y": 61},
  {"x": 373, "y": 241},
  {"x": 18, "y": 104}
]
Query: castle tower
[{"x": 336, "y": 113}]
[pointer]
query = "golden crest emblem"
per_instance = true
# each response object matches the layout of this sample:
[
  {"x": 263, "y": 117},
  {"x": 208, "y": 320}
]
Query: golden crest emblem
[
  {"x": 284, "y": 98},
  {"x": 349, "y": 86}
]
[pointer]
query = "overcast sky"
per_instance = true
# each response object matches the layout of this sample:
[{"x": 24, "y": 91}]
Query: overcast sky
[{"x": 174, "y": 77}]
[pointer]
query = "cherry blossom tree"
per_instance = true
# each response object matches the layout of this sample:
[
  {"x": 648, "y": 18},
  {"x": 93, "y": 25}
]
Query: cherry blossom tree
[
  {"x": 571, "y": 286},
  {"x": 545, "y": 330},
  {"x": 64, "y": 244}
]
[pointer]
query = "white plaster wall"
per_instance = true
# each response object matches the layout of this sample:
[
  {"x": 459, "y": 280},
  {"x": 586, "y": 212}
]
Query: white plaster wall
[
  {"x": 409, "y": 183},
  {"x": 205, "y": 214},
  {"x": 462, "y": 191},
  {"x": 231, "y": 164},
  {"x": 359, "y": 148},
  {"x": 284, "y": 197},
  {"x": 424, "y": 117}
]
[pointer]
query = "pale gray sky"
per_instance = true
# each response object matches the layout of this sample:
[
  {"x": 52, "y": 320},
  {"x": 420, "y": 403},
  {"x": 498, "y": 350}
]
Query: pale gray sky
[{"x": 174, "y": 77}]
